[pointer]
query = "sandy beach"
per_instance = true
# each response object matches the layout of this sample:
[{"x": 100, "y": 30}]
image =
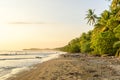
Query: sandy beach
[{"x": 73, "y": 67}]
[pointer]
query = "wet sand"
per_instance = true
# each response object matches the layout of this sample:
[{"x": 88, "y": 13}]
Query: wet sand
[{"x": 74, "y": 67}]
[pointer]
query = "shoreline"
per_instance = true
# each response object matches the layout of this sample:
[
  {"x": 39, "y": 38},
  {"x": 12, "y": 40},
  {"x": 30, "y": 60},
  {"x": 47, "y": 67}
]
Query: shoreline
[
  {"x": 73, "y": 67},
  {"x": 27, "y": 68}
]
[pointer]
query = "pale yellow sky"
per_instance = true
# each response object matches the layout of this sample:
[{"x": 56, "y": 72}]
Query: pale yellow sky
[
  {"x": 43, "y": 23},
  {"x": 20, "y": 36}
]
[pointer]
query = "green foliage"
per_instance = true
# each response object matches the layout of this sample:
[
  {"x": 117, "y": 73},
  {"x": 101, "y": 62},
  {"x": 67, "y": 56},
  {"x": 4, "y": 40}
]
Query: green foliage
[
  {"x": 112, "y": 23},
  {"x": 115, "y": 4},
  {"x": 85, "y": 42},
  {"x": 117, "y": 31},
  {"x": 104, "y": 39},
  {"x": 85, "y": 48},
  {"x": 81, "y": 44},
  {"x": 72, "y": 47},
  {"x": 103, "y": 43},
  {"x": 116, "y": 44},
  {"x": 95, "y": 33}
]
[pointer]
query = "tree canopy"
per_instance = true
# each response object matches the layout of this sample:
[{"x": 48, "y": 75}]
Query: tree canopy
[{"x": 104, "y": 38}]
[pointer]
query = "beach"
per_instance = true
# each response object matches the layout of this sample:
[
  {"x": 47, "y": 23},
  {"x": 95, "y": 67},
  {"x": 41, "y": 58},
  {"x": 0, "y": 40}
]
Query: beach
[
  {"x": 12, "y": 63},
  {"x": 73, "y": 67}
]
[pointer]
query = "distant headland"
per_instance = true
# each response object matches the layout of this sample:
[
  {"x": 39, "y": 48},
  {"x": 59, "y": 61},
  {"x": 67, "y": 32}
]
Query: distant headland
[{"x": 36, "y": 49}]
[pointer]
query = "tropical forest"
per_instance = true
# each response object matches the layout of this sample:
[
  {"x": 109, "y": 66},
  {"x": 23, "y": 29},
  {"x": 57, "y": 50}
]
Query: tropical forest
[{"x": 104, "y": 39}]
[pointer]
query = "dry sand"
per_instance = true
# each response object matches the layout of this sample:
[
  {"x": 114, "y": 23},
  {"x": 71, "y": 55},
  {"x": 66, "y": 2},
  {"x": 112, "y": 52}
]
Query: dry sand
[{"x": 74, "y": 67}]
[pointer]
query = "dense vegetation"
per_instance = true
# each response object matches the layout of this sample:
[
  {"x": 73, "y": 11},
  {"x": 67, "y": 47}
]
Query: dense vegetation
[{"x": 104, "y": 39}]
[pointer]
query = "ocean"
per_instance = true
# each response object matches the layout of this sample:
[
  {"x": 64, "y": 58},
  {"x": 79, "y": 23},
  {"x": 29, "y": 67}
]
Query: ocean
[{"x": 12, "y": 62}]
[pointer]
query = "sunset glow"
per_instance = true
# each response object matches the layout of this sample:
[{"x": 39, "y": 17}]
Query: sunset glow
[{"x": 42, "y": 23}]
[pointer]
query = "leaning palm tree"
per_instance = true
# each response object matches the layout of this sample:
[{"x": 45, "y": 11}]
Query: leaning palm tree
[{"x": 91, "y": 17}]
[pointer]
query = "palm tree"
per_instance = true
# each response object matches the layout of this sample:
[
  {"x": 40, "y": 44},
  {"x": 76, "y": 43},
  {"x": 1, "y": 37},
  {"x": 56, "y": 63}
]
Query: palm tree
[
  {"x": 105, "y": 22},
  {"x": 91, "y": 17}
]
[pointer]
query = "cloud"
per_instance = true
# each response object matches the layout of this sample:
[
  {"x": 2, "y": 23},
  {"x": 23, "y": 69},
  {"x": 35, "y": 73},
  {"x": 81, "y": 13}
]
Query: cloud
[{"x": 20, "y": 22}]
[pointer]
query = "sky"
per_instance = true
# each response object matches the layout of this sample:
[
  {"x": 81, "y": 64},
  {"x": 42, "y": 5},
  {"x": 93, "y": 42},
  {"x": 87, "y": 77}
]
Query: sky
[{"x": 44, "y": 23}]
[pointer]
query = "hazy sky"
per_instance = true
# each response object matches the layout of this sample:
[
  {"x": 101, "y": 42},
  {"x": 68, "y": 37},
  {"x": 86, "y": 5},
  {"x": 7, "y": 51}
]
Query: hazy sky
[{"x": 44, "y": 23}]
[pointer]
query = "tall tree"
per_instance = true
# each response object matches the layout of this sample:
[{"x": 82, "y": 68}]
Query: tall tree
[{"x": 91, "y": 17}]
